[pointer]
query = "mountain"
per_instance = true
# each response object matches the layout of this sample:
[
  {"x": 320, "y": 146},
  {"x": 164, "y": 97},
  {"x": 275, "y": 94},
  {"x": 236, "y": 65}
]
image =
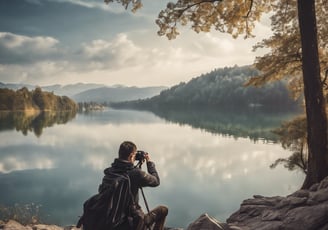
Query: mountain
[
  {"x": 16, "y": 86},
  {"x": 116, "y": 94},
  {"x": 62, "y": 90},
  {"x": 72, "y": 89},
  {"x": 87, "y": 92}
]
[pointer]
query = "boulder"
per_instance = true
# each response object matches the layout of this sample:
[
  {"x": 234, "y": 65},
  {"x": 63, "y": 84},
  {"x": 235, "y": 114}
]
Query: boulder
[
  {"x": 13, "y": 225},
  {"x": 302, "y": 210},
  {"x": 207, "y": 222}
]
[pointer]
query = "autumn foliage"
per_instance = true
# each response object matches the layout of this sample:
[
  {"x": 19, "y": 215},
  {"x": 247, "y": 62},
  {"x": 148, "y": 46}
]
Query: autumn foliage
[{"x": 23, "y": 100}]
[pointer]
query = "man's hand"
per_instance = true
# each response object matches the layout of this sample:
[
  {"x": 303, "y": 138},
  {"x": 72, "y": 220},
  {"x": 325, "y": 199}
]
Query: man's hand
[{"x": 147, "y": 157}]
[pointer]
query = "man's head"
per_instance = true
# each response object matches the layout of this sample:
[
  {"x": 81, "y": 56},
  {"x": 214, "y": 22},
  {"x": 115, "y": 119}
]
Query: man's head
[{"x": 127, "y": 148}]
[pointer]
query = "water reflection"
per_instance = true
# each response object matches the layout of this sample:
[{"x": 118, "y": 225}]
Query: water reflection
[
  {"x": 200, "y": 172},
  {"x": 33, "y": 122},
  {"x": 253, "y": 123}
]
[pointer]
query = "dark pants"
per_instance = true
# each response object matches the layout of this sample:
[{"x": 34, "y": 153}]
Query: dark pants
[{"x": 153, "y": 220}]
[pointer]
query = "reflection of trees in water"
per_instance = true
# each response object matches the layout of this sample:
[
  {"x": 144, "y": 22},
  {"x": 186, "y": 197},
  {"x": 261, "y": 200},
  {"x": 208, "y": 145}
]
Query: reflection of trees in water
[
  {"x": 35, "y": 122},
  {"x": 253, "y": 123},
  {"x": 293, "y": 136}
]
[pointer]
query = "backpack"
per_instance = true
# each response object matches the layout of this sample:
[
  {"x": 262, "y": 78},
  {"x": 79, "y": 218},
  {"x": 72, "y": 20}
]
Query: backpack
[{"x": 110, "y": 207}]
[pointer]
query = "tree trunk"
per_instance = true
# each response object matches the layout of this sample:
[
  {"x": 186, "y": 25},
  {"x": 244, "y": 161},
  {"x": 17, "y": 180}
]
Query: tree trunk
[{"x": 313, "y": 93}]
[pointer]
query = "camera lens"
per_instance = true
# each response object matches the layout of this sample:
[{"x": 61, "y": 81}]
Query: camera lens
[{"x": 140, "y": 155}]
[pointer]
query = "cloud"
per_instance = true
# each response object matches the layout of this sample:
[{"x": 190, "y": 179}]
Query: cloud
[
  {"x": 135, "y": 58},
  {"x": 88, "y": 4},
  {"x": 211, "y": 45},
  {"x": 18, "y": 49},
  {"x": 90, "y": 44},
  {"x": 120, "y": 52},
  {"x": 91, "y": 4}
]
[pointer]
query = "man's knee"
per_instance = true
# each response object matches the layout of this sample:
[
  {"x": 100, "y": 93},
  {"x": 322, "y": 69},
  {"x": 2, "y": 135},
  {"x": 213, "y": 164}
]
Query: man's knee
[
  {"x": 165, "y": 210},
  {"x": 162, "y": 210}
]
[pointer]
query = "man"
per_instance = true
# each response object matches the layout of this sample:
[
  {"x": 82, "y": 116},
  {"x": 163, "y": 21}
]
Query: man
[{"x": 124, "y": 164}]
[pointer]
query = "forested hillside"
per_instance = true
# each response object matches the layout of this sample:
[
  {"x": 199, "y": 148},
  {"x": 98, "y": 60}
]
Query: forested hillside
[
  {"x": 220, "y": 88},
  {"x": 23, "y": 99}
]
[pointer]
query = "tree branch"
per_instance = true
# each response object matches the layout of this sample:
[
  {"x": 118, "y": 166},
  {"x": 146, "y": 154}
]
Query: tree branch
[
  {"x": 195, "y": 4},
  {"x": 250, "y": 9}
]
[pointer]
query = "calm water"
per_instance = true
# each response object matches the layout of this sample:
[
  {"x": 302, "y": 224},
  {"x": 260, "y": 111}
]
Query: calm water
[{"x": 203, "y": 167}]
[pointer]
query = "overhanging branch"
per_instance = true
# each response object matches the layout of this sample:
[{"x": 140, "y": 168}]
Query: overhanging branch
[{"x": 195, "y": 4}]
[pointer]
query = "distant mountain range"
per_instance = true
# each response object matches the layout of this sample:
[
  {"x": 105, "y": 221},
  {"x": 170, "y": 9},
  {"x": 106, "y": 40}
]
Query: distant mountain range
[
  {"x": 223, "y": 87},
  {"x": 82, "y": 92},
  {"x": 116, "y": 94}
]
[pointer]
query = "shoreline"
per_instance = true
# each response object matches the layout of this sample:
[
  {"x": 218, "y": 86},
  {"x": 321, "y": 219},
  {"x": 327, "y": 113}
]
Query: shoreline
[{"x": 305, "y": 209}]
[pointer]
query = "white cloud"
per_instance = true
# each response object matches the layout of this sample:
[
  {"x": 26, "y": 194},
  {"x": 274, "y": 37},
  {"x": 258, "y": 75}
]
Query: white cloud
[
  {"x": 13, "y": 41},
  {"x": 210, "y": 45},
  {"x": 10, "y": 164},
  {"x": 113, "y": 8},
  {"x": 121, "y": 52},
  {"x": 138, "y": 58},
  {"x": 23, "y": 49}
]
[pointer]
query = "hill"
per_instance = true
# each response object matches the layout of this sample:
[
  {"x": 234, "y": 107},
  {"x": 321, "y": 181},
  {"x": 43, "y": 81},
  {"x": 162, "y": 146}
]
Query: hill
[
  {"x": 23, "y": 100},
  {"x": 115, "y": 94},
  {"x": 220, "y": 88},
  {"x": 71, "y": 89},
  {"x": 62, "y": 90},
  {"x": 87, "y": 92}
]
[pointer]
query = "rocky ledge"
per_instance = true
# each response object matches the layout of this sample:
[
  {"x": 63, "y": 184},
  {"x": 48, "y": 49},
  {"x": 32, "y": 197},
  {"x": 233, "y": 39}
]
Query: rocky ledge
[
  {"x": 302, "y": 210},
  {"x": 13, "y": 225}
]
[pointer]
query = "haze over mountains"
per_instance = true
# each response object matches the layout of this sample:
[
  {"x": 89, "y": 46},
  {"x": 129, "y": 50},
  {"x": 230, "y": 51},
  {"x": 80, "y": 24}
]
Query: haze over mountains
[
  {"x": 82, "y": 92},
  {"x": 220, "y": 87},
  {"x": 117, "y": 94}
]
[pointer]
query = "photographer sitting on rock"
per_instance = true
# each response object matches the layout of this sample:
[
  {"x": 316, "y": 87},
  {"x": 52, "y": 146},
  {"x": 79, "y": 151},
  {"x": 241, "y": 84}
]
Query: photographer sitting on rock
[{"x": 124, "y": 165}]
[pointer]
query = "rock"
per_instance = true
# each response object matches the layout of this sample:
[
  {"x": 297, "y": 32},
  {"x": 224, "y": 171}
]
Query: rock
[
  {"x": 173, "y": 228},
  {"x": 71, "y": 227},
  {"x": 307, "y": 218},
  {"x": 14, "y": 225},
  {"x": 46, "y": 227},
  {"x": 323, "y": 184},
  {"x": 302, "y": 210},
  {"x": 320, "y": 195},
  {"x": 301, "y": 193},
  {"x": 208, "y": 223}
]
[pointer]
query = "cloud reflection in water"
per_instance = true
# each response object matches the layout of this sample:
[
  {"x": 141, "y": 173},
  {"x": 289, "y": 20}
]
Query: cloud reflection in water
[{"x": 200, "y": 171}]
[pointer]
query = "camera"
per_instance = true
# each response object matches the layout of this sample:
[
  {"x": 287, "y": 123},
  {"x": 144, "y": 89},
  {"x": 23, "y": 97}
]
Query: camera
[{"x": 140, "y": 155}]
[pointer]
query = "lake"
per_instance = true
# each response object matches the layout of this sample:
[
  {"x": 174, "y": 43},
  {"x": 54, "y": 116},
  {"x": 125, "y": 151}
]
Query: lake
[{"x": 205, "y": 165}]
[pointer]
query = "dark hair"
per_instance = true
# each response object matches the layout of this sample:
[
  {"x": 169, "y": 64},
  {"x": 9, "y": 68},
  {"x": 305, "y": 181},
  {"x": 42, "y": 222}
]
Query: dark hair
[{"x": 126, "y": 148}]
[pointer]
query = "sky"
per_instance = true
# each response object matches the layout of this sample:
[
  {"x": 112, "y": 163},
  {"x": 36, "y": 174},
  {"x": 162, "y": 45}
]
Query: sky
[{"x": 45, "y": 42}]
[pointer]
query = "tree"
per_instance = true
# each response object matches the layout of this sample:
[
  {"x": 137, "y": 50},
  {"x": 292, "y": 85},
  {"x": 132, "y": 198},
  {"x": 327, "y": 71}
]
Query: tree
[
  {"x": 297, "y": 23},
  {"x": 313, "y": 94},
  {"x": 294, "y": 51},
  {"x": 293, "y": 136}
]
